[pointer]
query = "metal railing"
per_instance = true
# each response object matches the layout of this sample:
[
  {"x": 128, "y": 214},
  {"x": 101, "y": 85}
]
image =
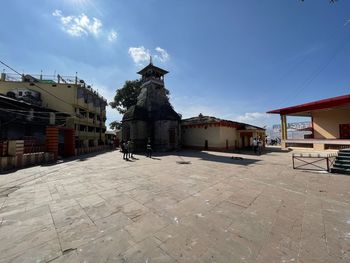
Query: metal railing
[
  {"x": 39, "y": 77},
  {"x": 312, "y": 161}
]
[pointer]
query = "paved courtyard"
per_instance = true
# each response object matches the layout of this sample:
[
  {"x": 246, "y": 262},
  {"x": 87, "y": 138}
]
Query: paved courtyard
[{"x": 183, "y": 207}]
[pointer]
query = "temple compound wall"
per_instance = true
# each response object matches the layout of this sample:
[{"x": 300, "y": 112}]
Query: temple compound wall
[{"x": 210, "y": 133}]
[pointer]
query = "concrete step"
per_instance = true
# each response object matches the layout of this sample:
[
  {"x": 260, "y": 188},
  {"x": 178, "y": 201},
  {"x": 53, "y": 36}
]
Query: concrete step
[
  {"x": 344, "y": 150},
  {"x": 343, "y": 157},
  {"x": 342, "y": 161},
  {"x": 340, "y": 171},
  {"x": 341, "y": 165},
  {"x": 342, "y": 153}
]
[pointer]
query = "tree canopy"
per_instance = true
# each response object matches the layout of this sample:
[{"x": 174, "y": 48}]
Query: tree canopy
[
  {"x": 126, "y": 96},
  {"x": 115, "y": 125}
]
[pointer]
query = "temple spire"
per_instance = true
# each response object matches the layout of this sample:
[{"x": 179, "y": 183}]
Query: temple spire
[{"x": 150, "y": 60}]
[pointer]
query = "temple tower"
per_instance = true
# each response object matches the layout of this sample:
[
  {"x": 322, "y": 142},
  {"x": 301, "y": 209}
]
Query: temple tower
[{"x": 152, "y": 118}]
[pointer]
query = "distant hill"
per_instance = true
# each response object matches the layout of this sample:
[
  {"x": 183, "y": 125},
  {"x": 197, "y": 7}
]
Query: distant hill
[{"x": 296, "y": 130}]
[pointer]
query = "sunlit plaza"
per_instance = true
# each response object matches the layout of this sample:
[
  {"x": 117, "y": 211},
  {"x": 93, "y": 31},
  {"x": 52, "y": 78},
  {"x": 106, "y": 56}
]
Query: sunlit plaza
[{"x": 184, "y": 206}]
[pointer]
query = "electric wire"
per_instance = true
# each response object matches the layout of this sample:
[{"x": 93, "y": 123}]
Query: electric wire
[
  {"x": 57, "y": 112},
  {"x": 317, "y": 72},
  {"x": 34, "y": 83}
]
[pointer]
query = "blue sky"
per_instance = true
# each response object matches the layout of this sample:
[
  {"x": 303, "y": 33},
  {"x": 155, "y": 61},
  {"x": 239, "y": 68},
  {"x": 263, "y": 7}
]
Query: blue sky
[{"x": 233, "y": 59}]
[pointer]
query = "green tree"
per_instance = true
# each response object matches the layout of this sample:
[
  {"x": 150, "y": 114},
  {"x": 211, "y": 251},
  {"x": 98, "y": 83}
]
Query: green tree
[
  {"x": 115, "y": 125},
  {"x": 127, "y": 95}
]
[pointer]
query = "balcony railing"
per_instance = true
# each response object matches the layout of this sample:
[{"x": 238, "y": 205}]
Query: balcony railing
[{"x": 331, "y": 144}]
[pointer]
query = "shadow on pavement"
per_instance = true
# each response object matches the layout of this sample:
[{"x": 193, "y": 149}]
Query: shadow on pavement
[
  {"x": 211, "y": 157},
  {"x": 79, "y": 158},
  {"x": 266, "y": 150}
]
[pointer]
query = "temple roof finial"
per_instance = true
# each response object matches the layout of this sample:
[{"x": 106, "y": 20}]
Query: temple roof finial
[{"x": 150, "y": 59}]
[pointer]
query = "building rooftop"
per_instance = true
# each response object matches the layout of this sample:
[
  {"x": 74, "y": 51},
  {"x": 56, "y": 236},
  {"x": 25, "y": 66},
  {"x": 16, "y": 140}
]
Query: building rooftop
[
  {"x": 201, "y": 119},
  {"x": 49, "y": 79},
  {"x": 306, "y": 108},
  {"x": 149, "y": 67}
]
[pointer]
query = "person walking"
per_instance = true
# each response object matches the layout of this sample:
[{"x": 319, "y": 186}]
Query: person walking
[
  {"x": 125, "y": 151},
  {"x": 255, "y": 145},
  {"x": 259, "y": 146},
  {"x": 149, "y": 149},
  {"x": 131, "y": 149}
]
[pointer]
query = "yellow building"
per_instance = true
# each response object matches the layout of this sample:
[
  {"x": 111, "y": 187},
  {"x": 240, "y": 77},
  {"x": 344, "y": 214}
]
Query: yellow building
[
  {"x": 210, "y": 133},
  {"x": 70, "y": 95},
  {"x": 330, "y": 120}
]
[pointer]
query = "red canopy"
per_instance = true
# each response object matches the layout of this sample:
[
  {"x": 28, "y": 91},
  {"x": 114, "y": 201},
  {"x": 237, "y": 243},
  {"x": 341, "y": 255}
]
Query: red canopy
[{"x": 305, "y": 109}]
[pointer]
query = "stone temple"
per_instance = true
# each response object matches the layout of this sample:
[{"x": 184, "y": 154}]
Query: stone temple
[{"x": 152, "y": 118}]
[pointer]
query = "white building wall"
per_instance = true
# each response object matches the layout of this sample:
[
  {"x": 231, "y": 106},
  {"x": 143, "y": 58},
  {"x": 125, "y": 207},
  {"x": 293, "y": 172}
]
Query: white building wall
[
  {"x": 229, "y": 134},
  {"x": 326, "y": 123},
  {"x": 197, "y": 136}
]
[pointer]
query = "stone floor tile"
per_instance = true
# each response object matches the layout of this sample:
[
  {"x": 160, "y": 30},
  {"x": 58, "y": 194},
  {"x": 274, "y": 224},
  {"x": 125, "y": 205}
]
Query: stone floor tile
[
  {"x": 36, "y": 218},
  {"x": 145, "y": 227},
  {"x": 69, "y": 216},
  {"x": 244, "y": 197},
  {"x": 113, "y": 222},
  {"x": 145, "y": 251},
  {"x": 70, "y": 256},
  {"x": 45, "y": 252},
  {"x": 77, "y": 234},
  {"x": 90, "y": 200},
  {"x": 186, "y": 247},
  {"x": 214, "y": 209},
  {"x": 134, "y": 210},
  {"x": 101, "y": 249},
  {"x": 274, "y": 252},
  {"x": 18, "y": 240},
  {"x": 100, "y": 210},
  {"x": 59, "y": 204},
  {"x": 228, "y": 209}
]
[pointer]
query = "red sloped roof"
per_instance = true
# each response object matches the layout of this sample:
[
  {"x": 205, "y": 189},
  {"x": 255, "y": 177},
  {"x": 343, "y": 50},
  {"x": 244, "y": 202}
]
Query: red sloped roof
[{"x": 315, "y": 105}]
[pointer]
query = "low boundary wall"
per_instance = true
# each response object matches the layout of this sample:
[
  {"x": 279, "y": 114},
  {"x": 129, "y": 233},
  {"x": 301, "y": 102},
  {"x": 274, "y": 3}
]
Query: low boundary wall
[{"x": 25, "y": 160}]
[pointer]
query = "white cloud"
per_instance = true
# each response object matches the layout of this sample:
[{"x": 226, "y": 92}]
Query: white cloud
[
  {"x": 79, "y": 25},
  {"x": 57, "y": 13},
  {"x": 254, "y": 118},
  {"x": 163, "y": 54},
  {"x": 112, "y": 36},
  {"x": 82, "y": 25},
  {"x": 139, "y": 54},
  {"x": 347, "y": 22}
]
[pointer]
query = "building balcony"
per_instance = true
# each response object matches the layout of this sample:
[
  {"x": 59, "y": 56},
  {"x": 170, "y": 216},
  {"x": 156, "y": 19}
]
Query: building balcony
[
  {"x": 82, "y": 133},
  {"x": 318, "y": 144},
  {"x": 147, "y": 81},
  {"x": 81, "y": 102}
]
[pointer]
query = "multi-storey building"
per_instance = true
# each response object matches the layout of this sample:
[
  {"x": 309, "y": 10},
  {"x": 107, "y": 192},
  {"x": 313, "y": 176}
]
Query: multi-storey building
[{"x": 85, "y": 107}]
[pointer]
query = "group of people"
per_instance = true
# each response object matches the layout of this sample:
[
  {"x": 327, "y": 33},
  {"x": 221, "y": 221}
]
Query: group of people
[
  {"x": 128, "y": 148},
  {"x": 257, "y": 145}
]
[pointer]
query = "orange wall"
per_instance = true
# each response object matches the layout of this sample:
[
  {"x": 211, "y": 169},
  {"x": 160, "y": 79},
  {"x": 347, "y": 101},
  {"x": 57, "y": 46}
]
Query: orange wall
[{"x": 326, "y": 123}]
